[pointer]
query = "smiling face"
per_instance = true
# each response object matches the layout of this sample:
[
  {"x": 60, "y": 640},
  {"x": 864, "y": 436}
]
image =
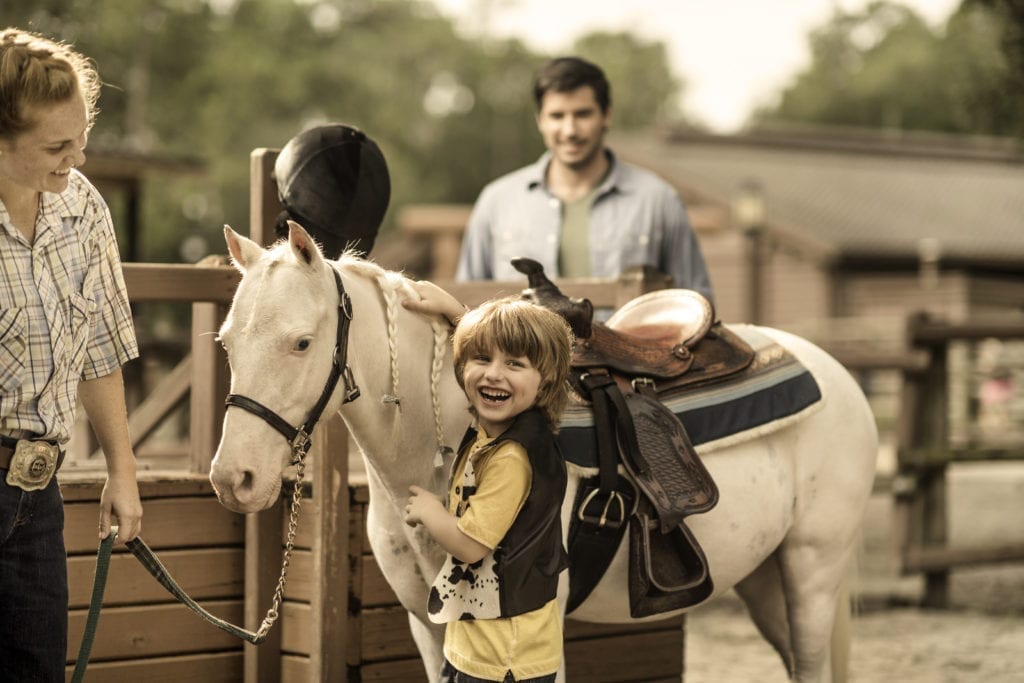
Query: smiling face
[
  {"x": 499, "y": 387},
  {"x": 40, "y": 159},
  {"x": 573, "y": 126}
]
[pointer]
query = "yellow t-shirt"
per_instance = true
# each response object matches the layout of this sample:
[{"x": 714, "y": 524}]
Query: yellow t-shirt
[{"x": 530, "y": 644}]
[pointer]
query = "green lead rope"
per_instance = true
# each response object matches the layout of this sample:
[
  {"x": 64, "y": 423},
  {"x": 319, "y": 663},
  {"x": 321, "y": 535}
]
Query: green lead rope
[
  {"x": 149, "y": 560},
  {"x": 153, "y": 565},
  {"x": 99, "y": 584}
]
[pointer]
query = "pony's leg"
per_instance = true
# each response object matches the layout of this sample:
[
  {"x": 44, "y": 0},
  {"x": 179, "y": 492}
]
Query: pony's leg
[
  {"x": 430, "y": 643},
  {"x": 762, "y": 592},
  {"x": 812, "y": 580}
]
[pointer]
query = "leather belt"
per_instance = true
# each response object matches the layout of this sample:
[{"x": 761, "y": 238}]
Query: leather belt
[{"x": 7, "y": 446}]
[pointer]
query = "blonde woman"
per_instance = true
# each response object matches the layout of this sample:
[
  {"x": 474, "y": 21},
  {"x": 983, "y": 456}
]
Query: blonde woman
[{"x": 65, "y": 332}]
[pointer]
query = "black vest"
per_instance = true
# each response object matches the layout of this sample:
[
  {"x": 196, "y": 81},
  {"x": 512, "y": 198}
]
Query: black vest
[{"x": 531, "y": 555}]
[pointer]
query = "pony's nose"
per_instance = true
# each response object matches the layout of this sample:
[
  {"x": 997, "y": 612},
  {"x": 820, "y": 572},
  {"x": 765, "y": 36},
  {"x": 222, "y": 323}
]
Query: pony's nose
[{"x": 233, "y": 487}]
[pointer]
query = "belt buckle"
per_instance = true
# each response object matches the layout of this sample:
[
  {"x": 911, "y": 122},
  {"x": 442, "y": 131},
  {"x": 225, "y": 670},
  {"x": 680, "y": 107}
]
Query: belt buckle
[{"x": 32, "y": 465}]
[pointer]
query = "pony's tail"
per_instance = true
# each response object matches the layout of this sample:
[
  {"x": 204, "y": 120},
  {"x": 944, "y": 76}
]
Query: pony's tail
[{"x": 841, "y": 634}]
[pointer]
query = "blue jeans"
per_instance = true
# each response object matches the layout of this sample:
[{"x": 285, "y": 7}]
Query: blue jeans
[
  {"x": 33, "y": 584},
  {"x": 449, "y": 674}
]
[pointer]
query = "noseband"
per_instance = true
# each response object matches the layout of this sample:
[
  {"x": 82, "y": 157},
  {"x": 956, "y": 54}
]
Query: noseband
[{"x": 298, "y": 437}]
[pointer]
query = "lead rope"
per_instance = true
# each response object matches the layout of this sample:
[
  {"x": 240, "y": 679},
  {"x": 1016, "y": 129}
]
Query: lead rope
[
  {"x": 98, "y": 585},
  {"x": 149, "y": 560}
]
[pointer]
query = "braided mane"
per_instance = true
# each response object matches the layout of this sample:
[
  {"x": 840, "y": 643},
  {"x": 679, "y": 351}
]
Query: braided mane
[{"x": 395, "y": 287}]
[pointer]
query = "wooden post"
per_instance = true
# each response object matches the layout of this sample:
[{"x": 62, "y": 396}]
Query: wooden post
[
  {"x": 263, "y": 554},
  {"x": 262, "y": 663},
  {"x": 329, "y": 601},
  {"x": 210, "y": 383},
  {"x": 922, "y": 459},
  {"x": 264, "y": 206}
]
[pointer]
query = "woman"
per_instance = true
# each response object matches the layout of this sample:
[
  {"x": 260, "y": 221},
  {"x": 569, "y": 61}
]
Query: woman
[{"x": 65, "y": 332}]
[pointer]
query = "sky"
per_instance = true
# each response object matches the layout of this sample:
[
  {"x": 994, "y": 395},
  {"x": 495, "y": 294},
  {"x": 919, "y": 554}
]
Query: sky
[{"x": 731, "y": 54}]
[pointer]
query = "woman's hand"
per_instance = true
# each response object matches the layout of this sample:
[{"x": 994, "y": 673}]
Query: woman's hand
[{"x": 120, "y": 501}]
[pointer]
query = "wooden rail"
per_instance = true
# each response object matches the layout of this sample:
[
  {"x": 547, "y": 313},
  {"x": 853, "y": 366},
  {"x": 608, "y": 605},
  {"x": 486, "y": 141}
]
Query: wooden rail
[{"x": 180, "y": 282}]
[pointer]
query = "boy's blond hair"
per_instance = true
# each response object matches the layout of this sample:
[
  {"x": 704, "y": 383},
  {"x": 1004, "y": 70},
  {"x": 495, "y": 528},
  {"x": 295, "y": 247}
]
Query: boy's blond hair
[{"x": 520, "y": 328}]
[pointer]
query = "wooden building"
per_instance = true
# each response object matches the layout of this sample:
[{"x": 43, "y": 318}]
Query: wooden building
[{"x": 853, "y": 224}]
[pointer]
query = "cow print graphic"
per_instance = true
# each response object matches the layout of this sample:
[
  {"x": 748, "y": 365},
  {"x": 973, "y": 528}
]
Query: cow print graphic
[{"x": 464, "y": 591}]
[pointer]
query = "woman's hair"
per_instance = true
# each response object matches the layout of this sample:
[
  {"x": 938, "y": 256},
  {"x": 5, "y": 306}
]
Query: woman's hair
[
  {"x": 520, "y": 328},
  {"x": 34, "y": 71}
]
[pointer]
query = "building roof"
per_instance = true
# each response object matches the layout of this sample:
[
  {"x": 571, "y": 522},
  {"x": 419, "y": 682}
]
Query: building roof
[{"x": 860, "y": 197}]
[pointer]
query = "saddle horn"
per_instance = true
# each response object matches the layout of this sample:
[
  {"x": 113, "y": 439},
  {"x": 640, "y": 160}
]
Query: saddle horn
[{"x": 579, "y": 313}]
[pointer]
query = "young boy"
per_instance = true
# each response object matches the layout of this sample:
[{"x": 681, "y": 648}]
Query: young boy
[{"x": 502, "y": 525}]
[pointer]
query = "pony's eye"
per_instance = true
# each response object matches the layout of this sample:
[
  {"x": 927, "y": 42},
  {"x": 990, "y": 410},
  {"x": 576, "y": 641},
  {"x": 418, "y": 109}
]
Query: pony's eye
[{"x": 302, "y": 344}]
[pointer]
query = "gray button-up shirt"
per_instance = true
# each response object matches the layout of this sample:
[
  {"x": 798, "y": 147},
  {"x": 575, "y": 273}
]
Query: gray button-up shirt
[{"x": 636, "y": 219}]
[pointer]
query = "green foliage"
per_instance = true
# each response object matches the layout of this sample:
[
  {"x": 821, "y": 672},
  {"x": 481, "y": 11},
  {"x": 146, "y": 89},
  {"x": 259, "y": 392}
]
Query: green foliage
[
  {"x": 885, "y": 68},
  {"x": 644, "y": 91}
]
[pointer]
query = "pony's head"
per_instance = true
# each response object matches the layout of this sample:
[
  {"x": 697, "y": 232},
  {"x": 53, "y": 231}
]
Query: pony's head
[{"x": 280, "y": 336}]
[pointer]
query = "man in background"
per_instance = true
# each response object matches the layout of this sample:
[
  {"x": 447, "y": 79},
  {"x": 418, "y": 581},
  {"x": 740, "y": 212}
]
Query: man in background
[{"x": 578, "y": 210}]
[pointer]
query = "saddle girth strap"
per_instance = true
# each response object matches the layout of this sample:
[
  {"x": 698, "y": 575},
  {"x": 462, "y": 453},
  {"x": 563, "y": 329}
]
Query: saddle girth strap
[
  {"x": 669, "y": 482},
  {"x": 596, "y": 383},
  {"x": 603, "y": 503}
]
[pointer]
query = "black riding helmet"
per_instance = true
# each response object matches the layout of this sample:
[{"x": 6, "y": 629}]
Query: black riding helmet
[{"x": 334, "y": 182}]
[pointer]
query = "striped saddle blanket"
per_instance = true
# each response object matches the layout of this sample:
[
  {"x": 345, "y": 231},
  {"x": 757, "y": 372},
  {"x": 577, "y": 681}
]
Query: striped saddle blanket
[{"x": 774, "y": 391}]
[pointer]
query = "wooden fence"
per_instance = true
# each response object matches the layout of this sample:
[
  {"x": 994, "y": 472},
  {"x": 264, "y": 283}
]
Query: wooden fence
[
  {"x": 230, "y": 563},
  {"x": 925, "y": 452}
]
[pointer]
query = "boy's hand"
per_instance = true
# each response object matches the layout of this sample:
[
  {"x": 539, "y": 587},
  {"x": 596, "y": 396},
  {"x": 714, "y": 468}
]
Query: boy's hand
[
  {"x": 422, "y": 503},
  {"x": 434, "y": 300}
]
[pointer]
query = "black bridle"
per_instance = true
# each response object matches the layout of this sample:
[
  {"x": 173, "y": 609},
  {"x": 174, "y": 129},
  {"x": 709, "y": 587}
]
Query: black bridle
[{"x": 298, "y": 437}]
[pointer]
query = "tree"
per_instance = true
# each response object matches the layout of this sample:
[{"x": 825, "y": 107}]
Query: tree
[
  {"x": 218, "y": 79},
  {"x": 885, "y": 68},
  {"x": 1008, "y": 15}
]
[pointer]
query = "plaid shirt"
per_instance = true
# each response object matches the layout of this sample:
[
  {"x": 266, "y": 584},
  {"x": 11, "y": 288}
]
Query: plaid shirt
[{"x": 64, "y": 313}]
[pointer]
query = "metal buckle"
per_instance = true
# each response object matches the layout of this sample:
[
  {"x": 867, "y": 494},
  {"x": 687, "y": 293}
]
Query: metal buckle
[
  {"x": 603, "y": 520},
  {"x": 351, "y": 388},
  {"x": 346, "y": 305},
  {"x": 33, "y": 465},
  {"x": 639, "y": 383}
]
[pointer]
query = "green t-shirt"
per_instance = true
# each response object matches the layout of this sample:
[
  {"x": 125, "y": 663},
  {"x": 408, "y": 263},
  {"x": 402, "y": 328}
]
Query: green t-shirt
[{"x": 574, "y": 248}]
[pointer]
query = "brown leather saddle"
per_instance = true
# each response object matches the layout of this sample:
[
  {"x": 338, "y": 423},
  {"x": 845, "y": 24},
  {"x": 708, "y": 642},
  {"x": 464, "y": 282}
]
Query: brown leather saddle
[{"x": 661, "y": 341}]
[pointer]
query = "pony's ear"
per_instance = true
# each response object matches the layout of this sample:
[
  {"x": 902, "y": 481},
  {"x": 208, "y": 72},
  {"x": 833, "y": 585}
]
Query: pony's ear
[
  {"x": 303, "y": 246},
  {"x": 243, "y": 250}
]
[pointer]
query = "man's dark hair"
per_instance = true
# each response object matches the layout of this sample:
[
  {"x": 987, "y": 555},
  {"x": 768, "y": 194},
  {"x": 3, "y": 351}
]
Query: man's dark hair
[{"x": 565, "y": 74}]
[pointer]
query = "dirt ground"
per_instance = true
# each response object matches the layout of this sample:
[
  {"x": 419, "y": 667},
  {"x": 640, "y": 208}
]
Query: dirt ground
[{"x": 980, "y": 638}]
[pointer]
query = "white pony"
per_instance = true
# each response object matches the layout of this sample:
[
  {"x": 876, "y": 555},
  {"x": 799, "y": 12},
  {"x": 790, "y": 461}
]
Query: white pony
[{"x": 782, "y": 534}]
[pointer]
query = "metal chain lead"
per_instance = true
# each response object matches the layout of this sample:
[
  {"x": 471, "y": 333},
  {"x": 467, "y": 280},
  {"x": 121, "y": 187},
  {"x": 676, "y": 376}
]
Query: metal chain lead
[{"x": 293, "y": 524}]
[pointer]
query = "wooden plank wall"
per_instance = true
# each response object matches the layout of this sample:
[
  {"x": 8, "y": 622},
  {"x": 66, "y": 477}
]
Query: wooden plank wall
[
  {"x": 143, "y": 633},
  {"x": 380, "y": 648}
]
